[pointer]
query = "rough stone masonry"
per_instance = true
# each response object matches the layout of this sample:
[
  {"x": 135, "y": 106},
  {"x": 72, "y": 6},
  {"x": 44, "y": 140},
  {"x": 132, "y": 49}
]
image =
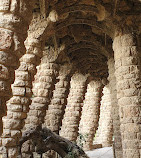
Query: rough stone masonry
[{"x": 74, "y": 67}]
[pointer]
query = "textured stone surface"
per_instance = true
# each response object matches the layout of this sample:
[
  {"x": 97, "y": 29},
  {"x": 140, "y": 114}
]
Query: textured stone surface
[
  {"x": 41, "y": 97},
  {"x": 90, "y": 113},
  {"x": 104, "y": 134},
  {"x": 79, "y": 33},
  {"x": 11, "y": 49},
  {"x": 73, "y": 109},
  {"x": 5, "y": 39},
  {"x": 56, "y": 108},
  {"x": 115, "y": 109},
  {"x": 128, "y": 86}
]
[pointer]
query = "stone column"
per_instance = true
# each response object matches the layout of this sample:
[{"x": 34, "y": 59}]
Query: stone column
[
  {"x": 73, "y": 109},
  {"x": 115, "y": 109},
  {"x": 13, "y": 17},
  {"x": 56, "y": 108},
  {"x": 104, "y": 133},
  {"x": 8, "y": 63},
  {"x": 17, "y": 106},
  {"x": 90, "y": 113},
  {"x": 42, "y": 93},
  {"x": 127, "y": 72}
]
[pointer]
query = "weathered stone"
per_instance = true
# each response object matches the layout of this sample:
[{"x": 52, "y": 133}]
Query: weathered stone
[
  {"x": 11, "y": 124},
  {"x": 128, "y": 114},
  {"x": 4, "y": 88},
  {"x": 56, "y": 108},
  {"x": 22, "y": 75},
  {"x": 14, "y": 107},
  {"x": 12, "y": 152},
  {"x": 21, "y": 83},
  {"x": 90, "y": 113},
  {"x": 19, "y": 115},
  {"x": 4, "y": 74},
  {"x": 7, "y": 59},
  {"x": 28, "y": 58},
  {"x": 82, "y": 37},
  {"x": 115, "y": 108},
  {"x": 5, "y": 39},
  {"x": 19, "y": 91},
  {"x": 4, "y": 5},
  {"x": 19, "y": 100},
  {"x": 6, "y": 133},
  {"x": 8, "y": 142},
  {"x": 104, "y": 133},
  {"x": 77, "y": 81}
]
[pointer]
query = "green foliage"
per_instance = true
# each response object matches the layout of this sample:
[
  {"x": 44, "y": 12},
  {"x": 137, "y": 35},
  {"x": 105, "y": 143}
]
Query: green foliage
[
  {"x": 82, "y": 139},
  {"x": 80, "y": 142},
  {"x": 71, "y": 154}
]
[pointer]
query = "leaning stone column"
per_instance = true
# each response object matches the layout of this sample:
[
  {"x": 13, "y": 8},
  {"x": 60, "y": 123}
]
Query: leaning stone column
[
  {"x": 17, "y": 106},
  {"x": 8, "y": 63},
  {"x": 127, "y": 71},
  {"x": 42, "y": 93},
  {"x": 104, "y": 133},
  {"x": 56, "y": 108},
  {"x": 72, "y": 114},
  {"x": 90, "y": 113},
  {"x": 13, "y": 17},
  {"x": 115, "y": 109}
]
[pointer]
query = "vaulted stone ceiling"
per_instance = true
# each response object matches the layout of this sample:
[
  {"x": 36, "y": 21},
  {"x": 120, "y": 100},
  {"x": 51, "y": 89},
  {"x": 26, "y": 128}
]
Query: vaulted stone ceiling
[{"x": 86, "y": 29}]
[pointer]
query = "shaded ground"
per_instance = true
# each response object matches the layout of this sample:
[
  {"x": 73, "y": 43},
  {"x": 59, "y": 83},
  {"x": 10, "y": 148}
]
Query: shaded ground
[{"x": 101, "y": 153}]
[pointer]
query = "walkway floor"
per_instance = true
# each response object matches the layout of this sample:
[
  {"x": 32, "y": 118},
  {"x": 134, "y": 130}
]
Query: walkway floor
[{"x": 106, "y": 152}]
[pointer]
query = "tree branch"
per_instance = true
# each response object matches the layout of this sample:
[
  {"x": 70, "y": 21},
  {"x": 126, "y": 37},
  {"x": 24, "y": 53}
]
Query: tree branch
[{"x": 44, "y": 139}]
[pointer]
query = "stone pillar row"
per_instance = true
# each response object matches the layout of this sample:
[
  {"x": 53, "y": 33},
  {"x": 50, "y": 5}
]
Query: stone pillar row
[
  {"x": 128, "y": 76},
  {"x": 104, "y": 133},
  {"x": 13, "y": 18},
  {"x": 90, "y": 113},
  {"x": 70, "y": 122},
  {"x": 115, "y": 109},
  {"x": 55, "y": 111}
]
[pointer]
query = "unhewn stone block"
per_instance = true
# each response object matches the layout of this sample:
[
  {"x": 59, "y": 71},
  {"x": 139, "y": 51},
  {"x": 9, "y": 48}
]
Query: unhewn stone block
[
  {"x": 12, "y": 152},
  {"x": 4, "y": 5},
  {"x": 8, "y": 142},
  {"x": 4, "y": 74},
  {"x": 11, "y": 124},
  {"x": 5, "y": 39},
  {"x": 14, "y": 107},
  {"x": 28, "y": 58},
  {"x": 22, "y": 75}
]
